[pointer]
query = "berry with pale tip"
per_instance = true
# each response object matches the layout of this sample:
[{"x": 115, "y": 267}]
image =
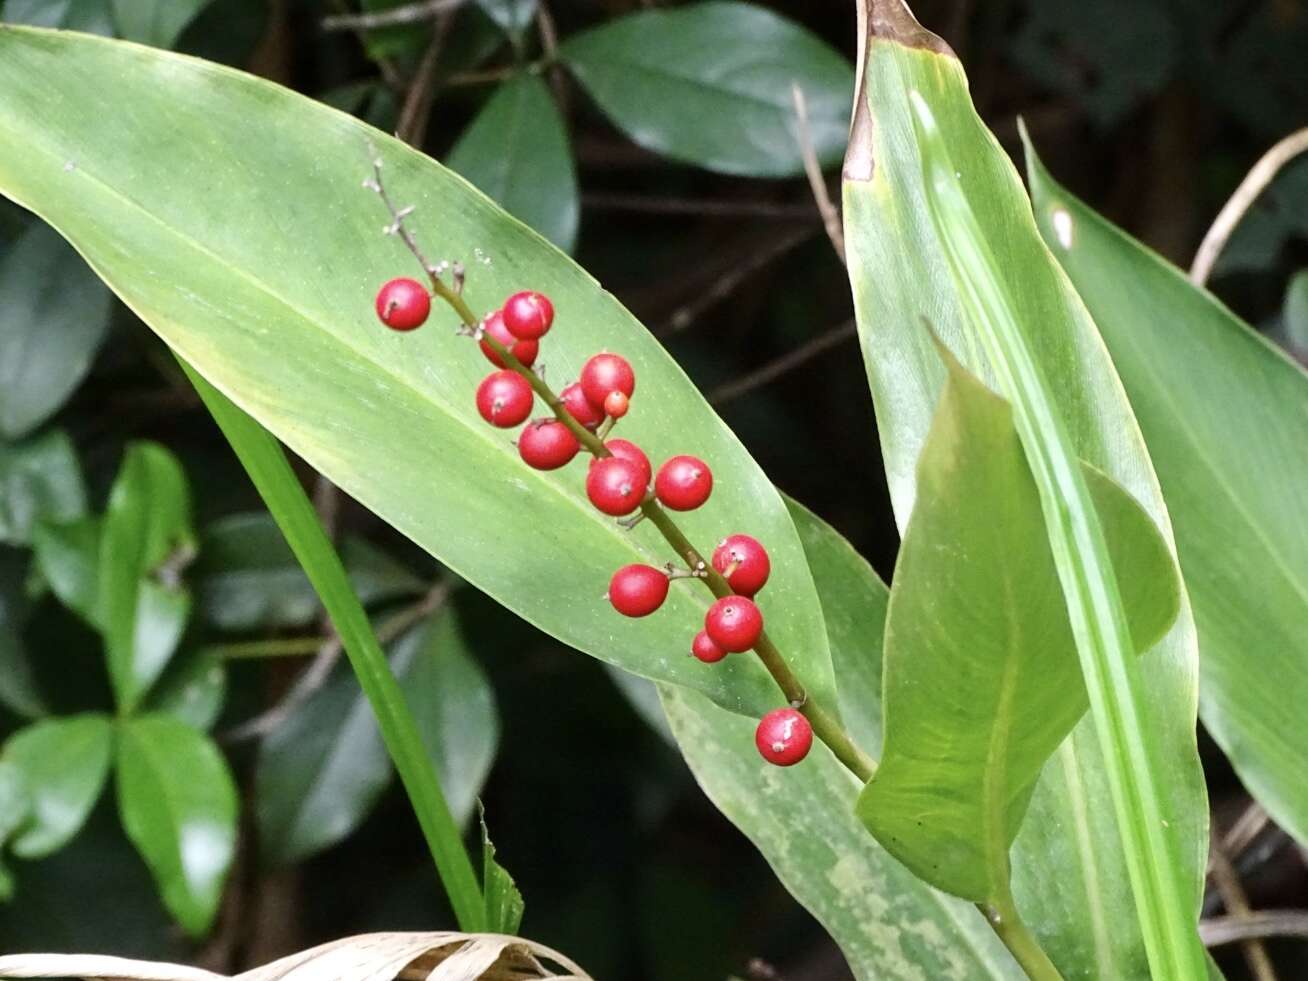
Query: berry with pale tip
[
  {"x": 606, "y": 373},
  {"x": 734, "y": 623},
  {"x": 616, "y": 405},
  {"x": 744, "y": 562},
  {"x": 614, "y": 485},
  {"x": 683, "y": 483},
  {"x": 504, "y": 398},
  {"x": 403, "y": 304},
  {"x": 784, "y": 736}
]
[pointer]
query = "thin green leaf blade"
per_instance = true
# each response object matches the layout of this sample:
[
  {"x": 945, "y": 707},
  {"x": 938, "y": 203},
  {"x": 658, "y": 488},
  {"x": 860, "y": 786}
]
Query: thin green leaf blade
[
  {"x": 178, "y": 805},
  {"x": 64, "y": 763},
  {"x": 504, "y": 904}
]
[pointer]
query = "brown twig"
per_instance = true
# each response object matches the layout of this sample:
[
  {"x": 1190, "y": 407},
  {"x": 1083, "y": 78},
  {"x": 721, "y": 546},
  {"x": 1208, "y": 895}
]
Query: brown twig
[
  {"x": 413, "y": 13},
  {"x": 412, "y": 124},
  {"x": 1218, "y": 930},
  {"x": 830, "y": 215},
  {"x": 1237, "y": 904},
  {"x": 1248, "y": 826},
  {"x": 1255, "y": 182},
  {"x": 787, "y": 362}
]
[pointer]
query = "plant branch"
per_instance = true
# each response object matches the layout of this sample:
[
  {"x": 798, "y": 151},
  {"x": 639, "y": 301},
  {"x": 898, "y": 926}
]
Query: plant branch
[
  {"x": 1247, "y": 827},
  {"x": 413, "y": 13},
  {"x": 1003, "y": 918},
  {"x": 1237, "y": 904},
  {"x": 412, "y": 124},
  {"x": 813, "y": 170},
  {"x": 1219, "y": 930},
  {"x": 1255, "y": 182},
  {"x": 825, "y": 726},
  {"x": 787, "y": 362}
]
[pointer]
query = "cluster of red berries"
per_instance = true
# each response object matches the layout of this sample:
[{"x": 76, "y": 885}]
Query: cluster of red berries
[{"x": 617, "y": 484}]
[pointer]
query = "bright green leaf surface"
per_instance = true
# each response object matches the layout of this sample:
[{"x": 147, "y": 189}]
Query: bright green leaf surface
[
  {"x": 1226, "y": 418},
  {"x": 517, "y": 151},
  {"x": 64, "y": 763},
  {"x": 40, "y": 479},
  {"x": 192, "y": 689},
  {"x": 178, "y": 805},
  {"x": 156, "y": 22},
  {"x": 68, "y": 556},
  {"x": 982, "y": 680},
  {"x": 1070, "y": 877},
  {"x": 288, "y": 332},
  {"x": 710, "y": 84},
  {"x": 51, "y": 323},
  {"x": 146, "y": 538}
]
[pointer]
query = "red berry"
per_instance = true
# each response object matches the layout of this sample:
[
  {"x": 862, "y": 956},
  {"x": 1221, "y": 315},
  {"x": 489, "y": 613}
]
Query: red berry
[
  {"x": 625, "y": 449},
  {"x": 607, "y": 373},
  {"x": 704, "y": 648},
  {"x": 637, "y": 590},
  {"x": 528, "y": 315},
  {"x": 613, "y": 485},
  {"x": 616, "y": 405},
  {"x": 403, "y": 304},
  {"x": 504, "y": 398},
  {"x": 734, "y": 623},
  {"x": 547, "y": 444},
  {"x": 574, "y": 400},
  {"x": 524, "y": 351},
  {"x": 683, "y": 483},
  {"x": 747, "y": 561},
  {"x": 784, "y": 737}
]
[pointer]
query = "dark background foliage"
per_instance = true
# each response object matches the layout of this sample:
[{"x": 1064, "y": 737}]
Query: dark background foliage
[{"x": 1152, "y": 110}]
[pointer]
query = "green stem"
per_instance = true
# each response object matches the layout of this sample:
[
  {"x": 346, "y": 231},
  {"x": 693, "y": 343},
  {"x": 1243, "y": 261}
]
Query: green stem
[
  {"x": 268, "y": 468},
  {"x": 288, "y": 647},
  {"x": 1003, "y": 918}
]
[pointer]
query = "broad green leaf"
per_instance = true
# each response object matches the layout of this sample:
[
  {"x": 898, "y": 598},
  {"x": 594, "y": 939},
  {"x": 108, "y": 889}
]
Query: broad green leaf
[
  {"x": 178, "y": 805},
  {"x": 40, "y": 479},
  {"x": 1295, "y": 312},
  {"x": 68, "y": 556},
  {"x": 288, "y": 332},
  {"x": 1226, "y": 416},
  {"x": 711, "y": 84},
  {"x": 888, "y": 923},
  {"x": 18, "y": 689},
  {"x": 504, "y": 905},
  {"x": 517, "y": 151},
  {"x": 146, "y": 540},
  {"x": 1068, "y": 861},
  {"x": 247, "y": 578},
  {"x": 192, "y": 689},
  {"x": 54, "y": 315},
  {"x": 156, "y": 22},
  {"x": 93, "y": 16},
  {"x": 64, "y": 763},
  {"x": 982, "y": 680}
]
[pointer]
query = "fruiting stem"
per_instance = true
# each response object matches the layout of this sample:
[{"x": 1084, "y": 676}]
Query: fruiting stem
[{"x": 1021, "y": 943}]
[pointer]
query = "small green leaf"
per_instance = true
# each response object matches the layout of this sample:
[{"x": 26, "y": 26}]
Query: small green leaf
[
  {"x": 191, "y": 690},
  {"x": 146, "y": 541},
  {"x": 155, "y": 22},
  {"x": 982, "y": 680},
  {"x": 178, "y": 805},
  {"x": 710, "y": 84},
  {"x": 40, "y": 479},
  {"x": 18, "y": 689},
  {"x": 504, "y": 904},
  {"x": 517, "y": 151},
  {"x": 68, "y": 556},
  {"x": 54, "y": 315},
  {"x": 91, "y": 16},
  {"x": 64, "y": 763}
]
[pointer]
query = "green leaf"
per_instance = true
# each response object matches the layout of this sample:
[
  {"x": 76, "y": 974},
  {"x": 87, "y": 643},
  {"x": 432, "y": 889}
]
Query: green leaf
[
  {"x": 68, "y": 556},
  {"x": 247, "y": 577},
  {"x": 1068, "y": 861},
  {"x": 191, "y": 690},
  {"x": 64, "y": 763},
  {"x": 517, "y": 151},
  {"x": 145, "y": 542},
  {"x": 178, "y": 805},
  {"x": 92, "y": 16},
  {"x": 1295, "y": 312},
  {"x": 39, "y": 480},
  {"x": 289, "y": 333},
  {"x": 54, "y": 315},
  {"x": 982, "y": 680},
  {"x": 18, "y": 688},
  {"x": 513, "y": 17},
  {"x": 15, "y": 802},
  {"x": 504, "y": 905},
  {"x": 156, "y": 22},
  {"x": 710, "y": 84},
  {"x": 1225, "y": 415}
]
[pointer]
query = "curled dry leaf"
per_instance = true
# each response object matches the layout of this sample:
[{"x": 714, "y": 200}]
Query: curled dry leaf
[{"x": 439, "y": 956}]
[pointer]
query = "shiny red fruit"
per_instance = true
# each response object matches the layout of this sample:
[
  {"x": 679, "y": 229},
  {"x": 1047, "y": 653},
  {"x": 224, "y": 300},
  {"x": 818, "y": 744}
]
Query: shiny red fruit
[
  {"x": 625, "y": 449},
  {"x": 547, "y": 444},
  {"x": 403, "y": 304},
  {"x": 784, "y": 737},
  {"x": 683, "y": 483},
  {"x": 528, "y": 315},
  {"x": 574, "y": 400},
  {"x": 734, "y": 623},
  {"x": 504, "y": 398},
  {"x": 704, "y": 648},
  {"x": 606, "y": 373},
  {"x": 744, "y": 562},
  {"x": 637, "y": 590},
  {"x": 524, "y": 351},
  {"x": 616, "y": 405},
  {"x": 614, "y": 485}
]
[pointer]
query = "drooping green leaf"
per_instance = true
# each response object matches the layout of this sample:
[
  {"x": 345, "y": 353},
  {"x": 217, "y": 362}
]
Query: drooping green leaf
[
  {"x": 192, "y": 689},
  {"x": 247, "y": 578},
  {"x": 64, "y": 763},
  {"x": 289, "y": 333},
  {"x": 517, "y": 151},
  {"x": 40, "y": 479},
  {"x": 178, "y": 805},
  {"x": 156, "y": 22},
  {"x": 1225, "y": 415},
  {"x": 92, "y": 16},
  {"x": 54, "y": 315},
  {"x": 711, "y": 84},
  {"x": 18, "y": 689},
  {"x": 982, "y": 680},
  {"x": 1068, "y": 862},
  {"x": 146, "y": 541},
  {"x": 68, "y": 555},
  {"x": 504, "y": 904}
]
